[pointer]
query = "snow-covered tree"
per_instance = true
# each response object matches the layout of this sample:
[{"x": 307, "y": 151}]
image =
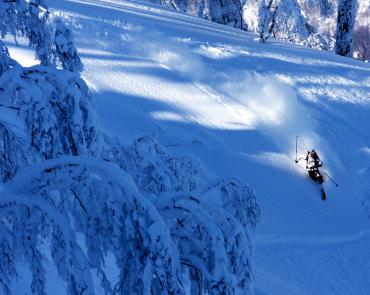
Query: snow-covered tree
[
  {"x": 362, "y": 31},
  {"x": 267, "y": 20},
  {"x": 345, "y": 27},
  {"x": 214, "y": 248},
  {"x": 55, "y": 199},
  {"x": 50, "y": 38},
  {"x": 29, "y": 19},
  {"x": 153, "y": 169},
  {"x": 183, "y": 239},
  {"x": 54, "y": 116},
  {"x": 326, "y": 7},
  {"x": 321, "y": 17},
  {"x": 236, "y": 198},
  {"x": 11, "y": 147},
  {"x": 322, "y": 41},
  {"x": 362, "y": 42},
  {"x": 228, "y": 12},
  {"x": 281, "y": 19},
  {"x": 65, "y": 49},
  {"x": 49, "y": 108}
]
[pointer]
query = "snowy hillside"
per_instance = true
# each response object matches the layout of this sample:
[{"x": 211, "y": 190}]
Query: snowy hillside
[{"x": 234, "y": 105}]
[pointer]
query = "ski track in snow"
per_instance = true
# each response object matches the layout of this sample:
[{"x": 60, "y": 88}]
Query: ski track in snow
[{"x": 195, "y": 83}]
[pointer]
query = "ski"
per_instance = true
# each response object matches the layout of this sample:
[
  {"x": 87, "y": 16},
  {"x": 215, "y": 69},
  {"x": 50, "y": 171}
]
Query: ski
[{"x": 323, "y": 194}]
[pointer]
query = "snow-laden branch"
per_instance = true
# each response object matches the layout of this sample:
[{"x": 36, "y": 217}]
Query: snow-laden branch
[
  {"x": 27, "y": 218},
  {"x": 51, "y": 115},
  {"x": 153, "y": 169},
  {"x": 213, "y": 245},
  {"x": 108, "y": 210}
]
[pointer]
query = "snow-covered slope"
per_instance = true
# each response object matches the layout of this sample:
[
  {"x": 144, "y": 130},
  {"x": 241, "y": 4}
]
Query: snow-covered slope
[{"x": 238, "y": 105}]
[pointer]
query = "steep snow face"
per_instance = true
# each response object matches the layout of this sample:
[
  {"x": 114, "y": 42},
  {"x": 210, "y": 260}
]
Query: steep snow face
[{"x": 238, "y": 105}]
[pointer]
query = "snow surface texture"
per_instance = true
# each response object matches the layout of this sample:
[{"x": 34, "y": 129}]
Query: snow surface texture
[{"x": 194, "y": 83}]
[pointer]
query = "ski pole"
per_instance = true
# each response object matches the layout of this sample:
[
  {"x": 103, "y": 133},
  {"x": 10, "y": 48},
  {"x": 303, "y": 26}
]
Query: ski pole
[
  {"x": 296, "y": 149},
  {"x": 336, "y": 184}
]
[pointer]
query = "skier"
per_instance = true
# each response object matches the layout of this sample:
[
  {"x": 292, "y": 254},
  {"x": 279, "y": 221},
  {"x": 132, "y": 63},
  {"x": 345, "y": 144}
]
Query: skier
[{"x": 312, "y": 165}]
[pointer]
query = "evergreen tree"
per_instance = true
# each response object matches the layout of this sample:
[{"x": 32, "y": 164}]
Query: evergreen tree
[
  {"x": 281, "y": 19},
  {"x": 345, "y": 27},
  {"x": 267, "y": 20},
  {"x": 47, "y": 35}
]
